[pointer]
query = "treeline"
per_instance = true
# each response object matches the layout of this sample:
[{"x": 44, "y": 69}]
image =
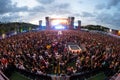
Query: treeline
[
  {"x": 19, "y": 27},
  {"x": 15, "y": 26},
  {"x": 96, "y": 27}
]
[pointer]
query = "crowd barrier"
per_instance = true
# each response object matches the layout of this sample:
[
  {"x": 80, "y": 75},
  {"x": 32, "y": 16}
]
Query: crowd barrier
[
  {"x": 33, "y": 75},
  {"x": 77, "y": 76},
  {"x": 85, "y": 75}
]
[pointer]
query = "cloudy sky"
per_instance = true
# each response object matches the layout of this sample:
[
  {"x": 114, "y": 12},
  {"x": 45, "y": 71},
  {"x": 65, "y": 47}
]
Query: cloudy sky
[{"x": 98, "y": 12}]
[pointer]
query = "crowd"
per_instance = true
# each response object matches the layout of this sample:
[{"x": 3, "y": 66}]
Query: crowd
[{"x": 45, "y": 52}]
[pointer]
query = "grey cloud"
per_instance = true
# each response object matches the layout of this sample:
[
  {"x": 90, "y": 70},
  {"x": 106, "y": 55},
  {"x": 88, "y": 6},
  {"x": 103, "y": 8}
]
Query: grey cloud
[
  {"x": 37, "y": 9},
  {"x": 104, "y": 17},
  {"x": 45, "y": 1},
  {"x": 58, "y": 9},
  {"x": 87, "y": 14},
  {"x": 52, "y": 9},
  {"x": 6, "y": 6},
  {"x": 10, "y": 17},
  {"x": 109, "y": 5},
  {"x": 77, "y": 14},
  {"x": 20, "y": 9},
  {"x": 62, "y": 6},
  {"x": 80, "y": 2},
  {"x": 100, "y": 6},
  {"x": 118, "y": 7},
  {"x": 110, "y": 19},
  {"x": 113, "y": 3}
]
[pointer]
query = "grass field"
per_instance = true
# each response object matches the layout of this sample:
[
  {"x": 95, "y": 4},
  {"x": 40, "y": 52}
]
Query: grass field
[
  {"x": 99, "y": 76},
  {"x": 18, "y": 76}
]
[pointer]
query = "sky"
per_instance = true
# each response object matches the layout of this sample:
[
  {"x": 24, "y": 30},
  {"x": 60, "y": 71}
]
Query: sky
[{"x": 96, "y": 12}]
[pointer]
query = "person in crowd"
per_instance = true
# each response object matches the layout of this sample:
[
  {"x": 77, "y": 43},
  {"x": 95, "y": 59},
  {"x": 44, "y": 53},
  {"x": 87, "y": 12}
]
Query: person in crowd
[{"x": 46, "y": 52}]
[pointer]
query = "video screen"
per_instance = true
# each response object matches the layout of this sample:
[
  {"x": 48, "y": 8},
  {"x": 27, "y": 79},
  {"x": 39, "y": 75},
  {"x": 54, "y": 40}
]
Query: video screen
[{"x": 59, "y": 22}]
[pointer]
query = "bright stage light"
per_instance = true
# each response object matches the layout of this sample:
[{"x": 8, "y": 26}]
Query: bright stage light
[
  {"x": 110, "y": 30},
  {"x": 119, "y": 32},
  {"x": 55, "y": 22},
  {"x": 3, "y": 35},
  {"x": 58, "y": 21},
  {"x": 59, "y": 27},
  {"x": 15, "y": 32},
  {"x": 59, "y": 32}
]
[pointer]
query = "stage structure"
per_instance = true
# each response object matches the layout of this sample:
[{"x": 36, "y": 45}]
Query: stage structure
[
  {"x": 79, "y": 25},
  {"x": 59, "y": 23},
  {"x": 40, "y": 23}
]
